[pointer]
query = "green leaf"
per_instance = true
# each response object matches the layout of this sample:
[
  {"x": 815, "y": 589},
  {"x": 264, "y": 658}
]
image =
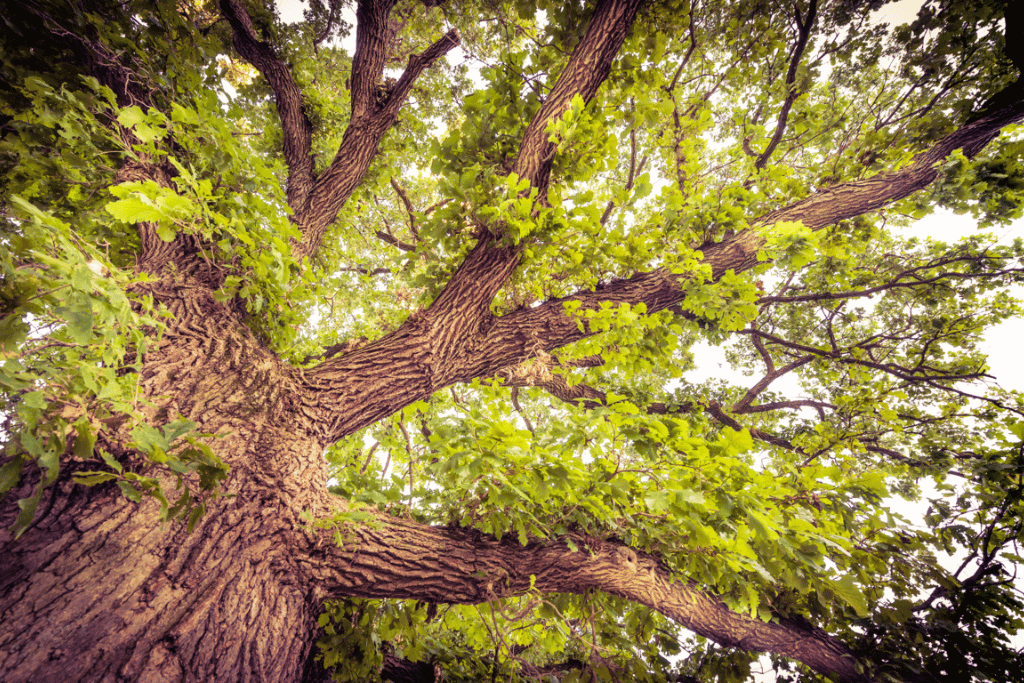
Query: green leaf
[
  {"x": 133, "y": 210},
  {"x": 130, "y": 116},
  {"x": 194, "y": 516},
  {"x": 129, "y": 491},
  {"x": 10, "y": 474},
  {"x": 851, "y": 593},
  {"x": 85, "y": 439},
  {"x": 94, "y": 478}
]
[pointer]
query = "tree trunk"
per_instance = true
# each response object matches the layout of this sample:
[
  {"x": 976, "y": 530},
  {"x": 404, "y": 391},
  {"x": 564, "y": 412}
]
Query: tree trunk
[{"x": 99, "y": 590}]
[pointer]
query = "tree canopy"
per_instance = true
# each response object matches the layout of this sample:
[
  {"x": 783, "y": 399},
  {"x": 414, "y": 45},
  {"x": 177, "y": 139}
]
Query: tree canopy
[{"x": 466, "y": 266}]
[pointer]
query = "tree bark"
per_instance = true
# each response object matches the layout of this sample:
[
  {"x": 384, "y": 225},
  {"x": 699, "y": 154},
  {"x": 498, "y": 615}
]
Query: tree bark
[
  {"x": 401, "y": 559},
  {"x": 99, "y": 590}
]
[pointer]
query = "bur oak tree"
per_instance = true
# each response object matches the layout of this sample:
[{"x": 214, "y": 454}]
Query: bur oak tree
[{"x": 375, "y": 358}]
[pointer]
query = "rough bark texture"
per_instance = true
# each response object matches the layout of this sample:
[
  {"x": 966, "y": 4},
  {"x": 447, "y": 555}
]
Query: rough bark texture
[
  {"x": 98, "y": 590},
  {"x": 409, "y": 560}
]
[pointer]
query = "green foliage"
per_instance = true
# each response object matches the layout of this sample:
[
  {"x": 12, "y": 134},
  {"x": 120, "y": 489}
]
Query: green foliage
[
  {"x": 75, "y": 323},
  {"x": 887, "y": 392},
  {"x": 71, "y": 339},
  {"x": 780, "y": 499}
]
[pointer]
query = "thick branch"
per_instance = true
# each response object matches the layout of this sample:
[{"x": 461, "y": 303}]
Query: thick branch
[
  {"x": 548, "y": 327},
  {"x": 471, "y": 290},
  {"x": 370, "y": 121},
  {"x": 298, "y": 131},
  {"x": 588, "y": 67},
  {"x": 457, "y": 339},
  {"x": 395, "y": 558},
  {"x": 373, "y": 41},
  {"x": 433, "y": 345}
]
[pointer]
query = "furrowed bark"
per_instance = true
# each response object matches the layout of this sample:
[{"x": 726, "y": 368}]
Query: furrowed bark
[
  {"x": 373, "y": 36},
  {"x": 588, "y": 67},
  {"x": 373, "y": 113},
  {"x": 427, "y": 352},
  {"x": 399, "y": 559},
  {"x": 402, "y": 559},
  {"x": 298, "y": 131},
  {"x": 98, "y": 589}
]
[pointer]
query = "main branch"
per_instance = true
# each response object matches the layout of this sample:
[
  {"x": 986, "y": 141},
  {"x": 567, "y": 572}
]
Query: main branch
[
  {"x": 547, "y": 327},
  {"x": 395, "y": 558},
  {"x": 298, "y": 131},
  {"x": 431, "y": 349}
]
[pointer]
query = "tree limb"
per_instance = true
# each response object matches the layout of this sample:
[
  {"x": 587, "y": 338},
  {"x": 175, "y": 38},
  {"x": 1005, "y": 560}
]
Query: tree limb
[
  {"x": 588, "y": 67},
  {"x": 370, "y": 120},
  {"x": 408, "y": 207},
  {"x": 298, "y": 131},
  {"x": 660, "y": 289},
  {"x": 394, "y": 558},
  {"x": 792, "y": 92},
  {"x": 458, "y": 339}
]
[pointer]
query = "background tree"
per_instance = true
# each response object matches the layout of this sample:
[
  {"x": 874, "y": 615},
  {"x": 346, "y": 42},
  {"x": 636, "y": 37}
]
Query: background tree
[{"x": 380, "y": 350}]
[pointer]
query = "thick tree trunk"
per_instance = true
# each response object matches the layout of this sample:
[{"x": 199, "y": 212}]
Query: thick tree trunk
[
  {"x": 98, "y": 590},
  {"x": 103, "y": 593}
]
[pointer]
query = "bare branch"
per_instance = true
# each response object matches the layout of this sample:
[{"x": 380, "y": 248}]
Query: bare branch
[
  {"x": 332, "y": 18},
  {"x": 394, "y": 241},
  {"x": 766, "y": 381},
  {"x": 519, "y": 409},
  {"x": 634, "y": 169},
  {"x": 904, "y": 279},
  {"x": 408, "y": 207}
]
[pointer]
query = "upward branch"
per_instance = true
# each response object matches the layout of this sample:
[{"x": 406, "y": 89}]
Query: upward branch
[
  {"x": 464, "y": 303},
  {"x": 438, "y": 341},
  {"x": 371, "y": 118},
  {"x": 298, "y": 131},
  {"x": 457, "y": 339},
  {"x": 588, "y": 67},
  {"x": 792, "y": 91},
  {"x": 315, "y": 201}
]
